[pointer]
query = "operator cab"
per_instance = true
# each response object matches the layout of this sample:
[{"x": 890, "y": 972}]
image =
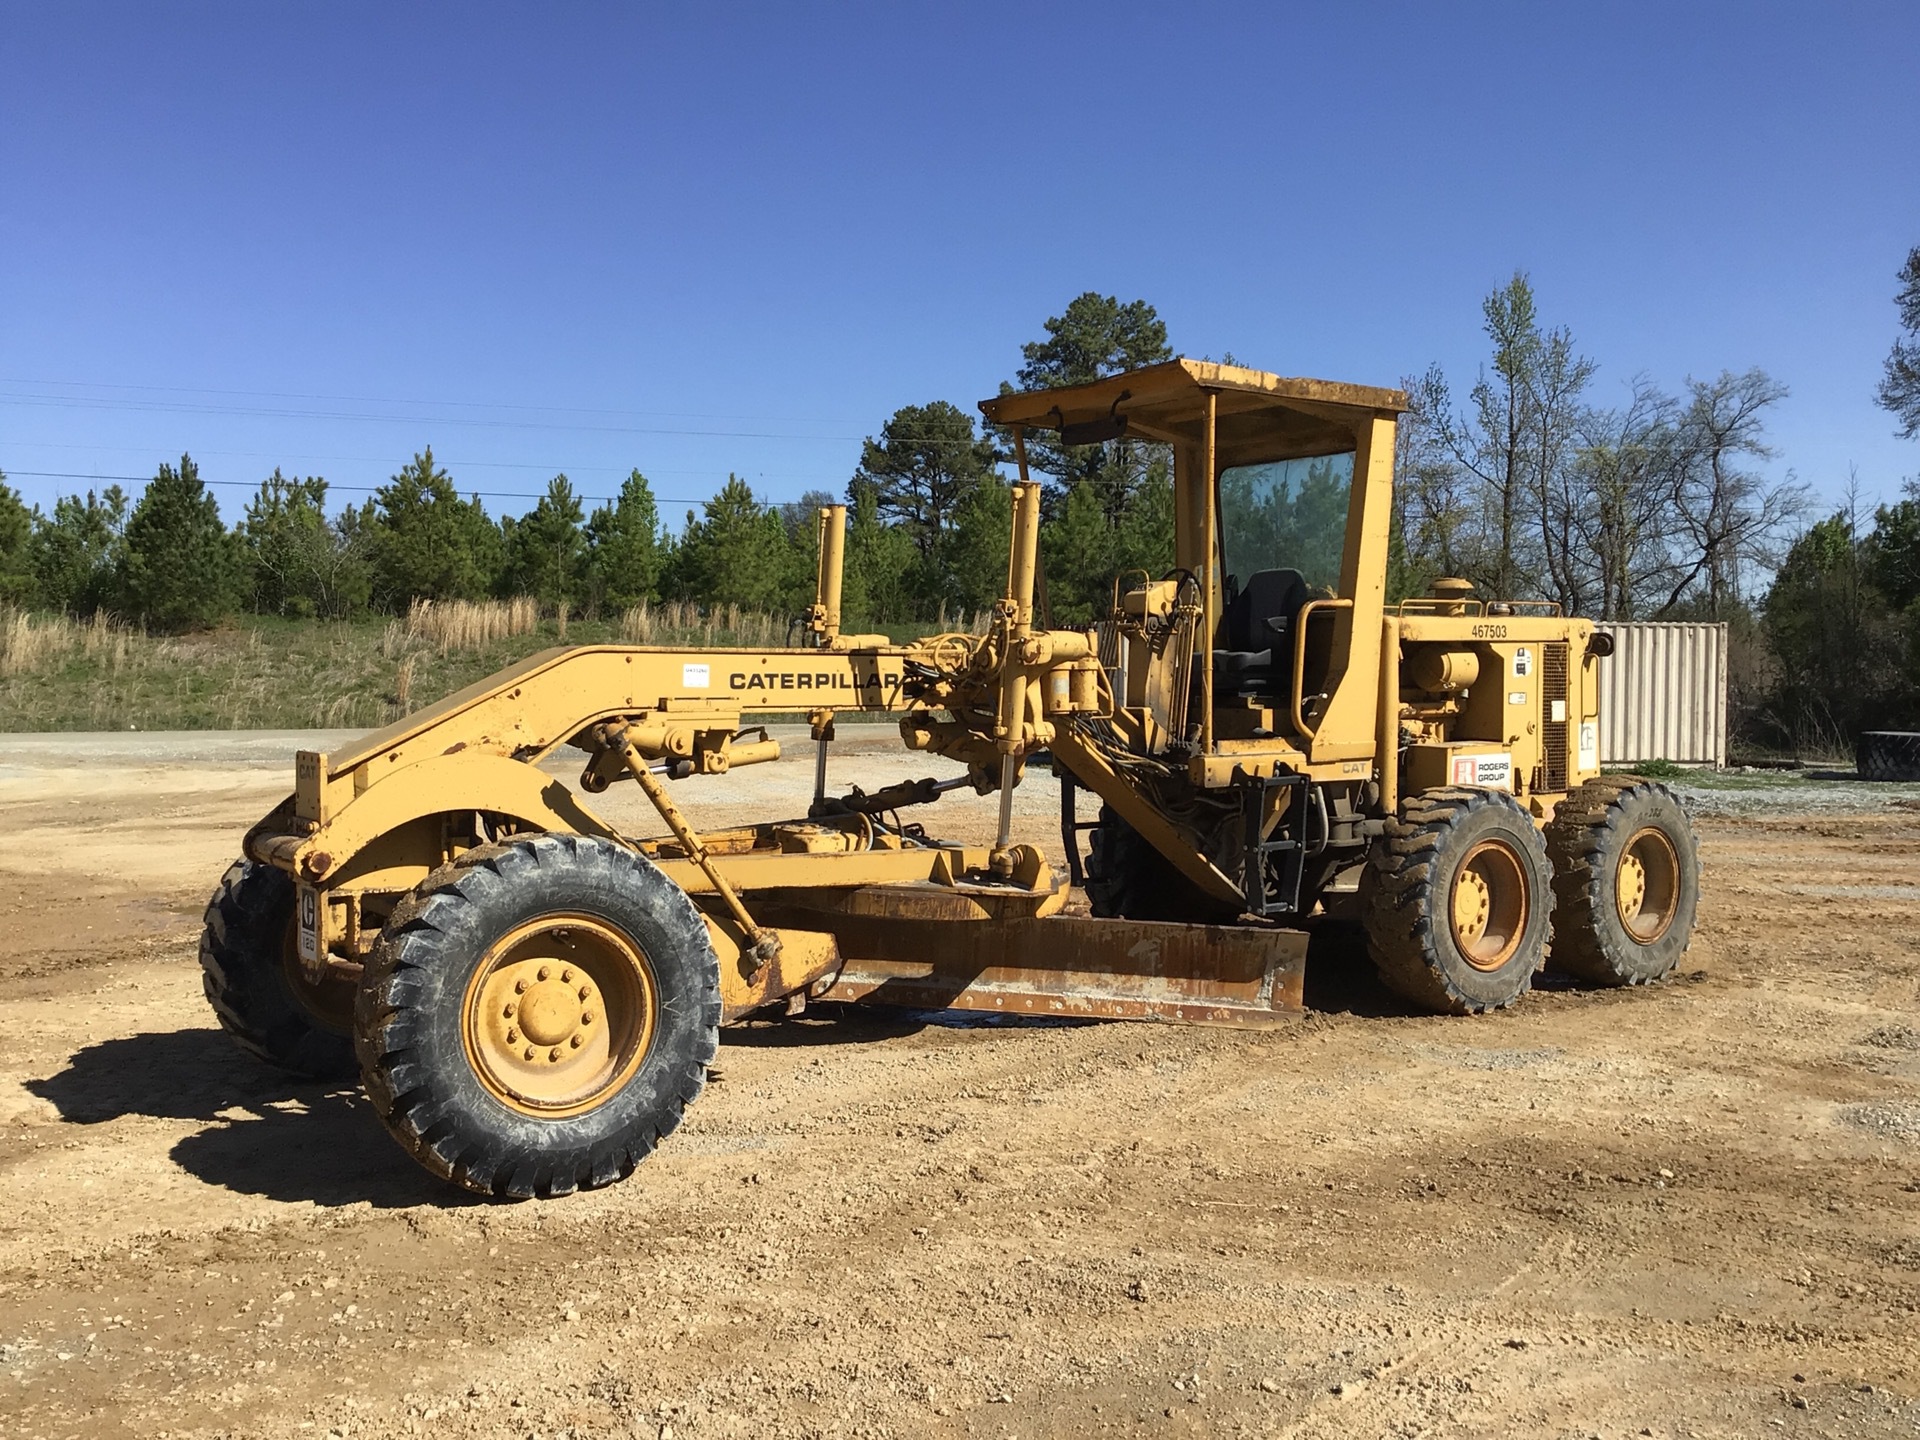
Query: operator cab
[{"x": 1268, "y": 529}]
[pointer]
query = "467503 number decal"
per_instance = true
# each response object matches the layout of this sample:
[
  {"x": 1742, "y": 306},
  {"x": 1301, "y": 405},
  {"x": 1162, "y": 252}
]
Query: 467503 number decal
[{"x": 1489, "y": 632}]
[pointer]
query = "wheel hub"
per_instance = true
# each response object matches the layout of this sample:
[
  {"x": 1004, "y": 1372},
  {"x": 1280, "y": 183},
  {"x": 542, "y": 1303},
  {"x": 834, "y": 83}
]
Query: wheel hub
[
  {"x": 559, "y": 1015},
  {"x": 1646, "y": 884},
  {"x": 1472, "y": 902},
  {"x": 1633, "y": 884},
  {"x": 1489, "y": 905}
]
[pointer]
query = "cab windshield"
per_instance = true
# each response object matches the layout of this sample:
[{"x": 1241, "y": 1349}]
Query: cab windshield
[{"x": 1286, "y": 515}]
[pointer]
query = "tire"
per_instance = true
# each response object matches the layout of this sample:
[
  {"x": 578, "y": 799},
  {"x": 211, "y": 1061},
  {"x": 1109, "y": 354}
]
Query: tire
[
  {"x": 1127, "y": 878},
  {"x": 1888, "y": 755},
  {"x": 252, "y": 978},
  {"x": 1626, "y": 881},
  {"x": 603, "y": 960},
  {"x": 1457, "y": 904}
]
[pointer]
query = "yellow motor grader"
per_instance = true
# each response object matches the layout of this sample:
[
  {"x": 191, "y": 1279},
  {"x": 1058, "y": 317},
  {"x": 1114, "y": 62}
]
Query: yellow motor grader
[{"x": 532, "y": 997}]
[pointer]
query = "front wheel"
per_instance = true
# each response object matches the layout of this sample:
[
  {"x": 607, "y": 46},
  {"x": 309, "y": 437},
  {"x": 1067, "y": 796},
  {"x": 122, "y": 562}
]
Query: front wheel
[
  {"x": 1456, "y": 902},
  {"x": 251, "y": 973},
  {"x": 537, "y": 1015}
]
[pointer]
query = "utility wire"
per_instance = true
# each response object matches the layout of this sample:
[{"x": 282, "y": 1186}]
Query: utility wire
[{"x": 380, "y": 400}]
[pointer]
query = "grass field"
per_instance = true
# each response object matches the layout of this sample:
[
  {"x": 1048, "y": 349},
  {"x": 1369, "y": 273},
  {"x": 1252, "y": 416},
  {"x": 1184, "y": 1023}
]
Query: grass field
[{"x": 57, "y": 673}]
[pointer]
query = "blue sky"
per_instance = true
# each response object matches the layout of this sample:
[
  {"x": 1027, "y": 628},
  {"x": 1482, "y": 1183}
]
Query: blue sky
[{"x": 707, "y": 238}]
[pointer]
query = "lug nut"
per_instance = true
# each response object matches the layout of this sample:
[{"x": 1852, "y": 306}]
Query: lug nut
[
  {"x": 508, "y": 1012},
  {"x": 553, "y": 1054},
  {"x": 529, "y": 1053},
  {"x": 545, "y": 970},
  {"x": 513, "y": 1036},
  {"x": 586, "y": 1017},
  {"x": 566, "y": 976},
  {"x": 519, "y": 987},
  {"x": 575, "y": 1042},
  {"x": 585, "y": 991}
]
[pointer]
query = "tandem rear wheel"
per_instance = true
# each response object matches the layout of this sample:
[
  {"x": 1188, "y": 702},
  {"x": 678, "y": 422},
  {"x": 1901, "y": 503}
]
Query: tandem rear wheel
[
  {"x": 1626, "y": 880},
  {"x": 1456, "y": 901},
  {"x": 1464, "y": 899}
]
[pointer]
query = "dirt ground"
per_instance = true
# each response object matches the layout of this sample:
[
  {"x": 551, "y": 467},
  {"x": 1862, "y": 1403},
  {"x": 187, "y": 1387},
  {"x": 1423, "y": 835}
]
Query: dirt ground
[{"x": 1693, "y": 1210}]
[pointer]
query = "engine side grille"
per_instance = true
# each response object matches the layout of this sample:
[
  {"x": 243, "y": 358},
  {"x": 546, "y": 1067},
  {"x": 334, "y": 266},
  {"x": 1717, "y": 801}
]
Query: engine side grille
[{"x": 1553, "y": 733}]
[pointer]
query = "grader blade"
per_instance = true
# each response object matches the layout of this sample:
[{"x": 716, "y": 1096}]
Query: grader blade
[{"x": 914, "y": 946}]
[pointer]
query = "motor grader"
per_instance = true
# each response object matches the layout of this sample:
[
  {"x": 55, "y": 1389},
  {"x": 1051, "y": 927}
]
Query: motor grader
[{"x": 533, "y": 997}]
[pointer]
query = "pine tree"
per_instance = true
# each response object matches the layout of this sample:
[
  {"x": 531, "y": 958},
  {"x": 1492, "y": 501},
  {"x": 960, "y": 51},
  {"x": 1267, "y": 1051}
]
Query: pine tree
[
  {"x": 546, "y": 550},
  {"x": 922, "y": 469},
  {"x": 430, "y": 544},
  {"x": 181, "y": 568},
  {"x": 75, "y": 552},
  {"x": 736, "y": 552},
  {"x": 625, "y": 549},
  {"x": 298, "y": 562},
  {"x": 16, "y": 537},
  {"x": 976, "y": 555},
  {"x": 882, "y": 577}
]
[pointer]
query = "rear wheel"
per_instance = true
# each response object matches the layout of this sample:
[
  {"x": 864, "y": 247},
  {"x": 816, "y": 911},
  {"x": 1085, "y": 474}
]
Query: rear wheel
[
  {"x": 537, "y": 1015},
  {"x": 1626, "y": 880},
  {"x": 1456, "y": 904},
  {"x": 250, "y": 971}
]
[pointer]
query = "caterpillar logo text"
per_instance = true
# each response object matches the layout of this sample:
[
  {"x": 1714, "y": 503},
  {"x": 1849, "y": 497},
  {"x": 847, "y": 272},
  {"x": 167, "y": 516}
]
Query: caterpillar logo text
[{"x": 814, "y": 680}]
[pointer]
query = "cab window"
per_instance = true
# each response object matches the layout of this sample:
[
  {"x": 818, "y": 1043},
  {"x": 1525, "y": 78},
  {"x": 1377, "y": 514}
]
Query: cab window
[{"x": 1287, "y": 515}]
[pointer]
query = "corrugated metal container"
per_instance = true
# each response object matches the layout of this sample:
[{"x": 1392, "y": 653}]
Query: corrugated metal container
[{"x": 1663, "y": 693}]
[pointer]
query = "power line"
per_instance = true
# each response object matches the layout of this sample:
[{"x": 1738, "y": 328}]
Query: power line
[
  {"x": 380, "y": 400},
  {"x": 86, "y": 402}
]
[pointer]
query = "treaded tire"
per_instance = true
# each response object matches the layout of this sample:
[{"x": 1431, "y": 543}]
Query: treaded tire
[
  {"x": 1408, "y": 895},
  {"x": 1127, "y": 878},
  {"x": 1591, "y": 832},
  {"x": 252, "y": 981},
  {"x": 411, "y": 1027},
  {"x": 1888, "y": 755}
]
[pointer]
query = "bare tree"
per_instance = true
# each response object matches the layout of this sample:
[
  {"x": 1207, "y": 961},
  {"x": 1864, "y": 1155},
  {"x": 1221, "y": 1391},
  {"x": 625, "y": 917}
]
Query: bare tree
[
  {"x": 1629, "y": 462},
  {"x": 1433, "y": 511},
  {"x": 1515, "y": 448},
  {"x": 1727, "y": 517}
]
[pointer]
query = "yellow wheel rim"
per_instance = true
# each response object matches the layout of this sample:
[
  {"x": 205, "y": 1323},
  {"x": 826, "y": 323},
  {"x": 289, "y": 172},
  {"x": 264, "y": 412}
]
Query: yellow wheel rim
[
  {"x": 559, "y": 1014},
  {"x": 1646, "y": 885},
  {"x": 1490, "y": 904}
]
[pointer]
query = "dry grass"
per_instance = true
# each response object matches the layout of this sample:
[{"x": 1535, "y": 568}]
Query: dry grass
[
  {"x": 58, "y": 673},
  {"x": 30, "y": 642},
  {"x": 451, "y": 625},
  {"x": 681, "y": 623}
]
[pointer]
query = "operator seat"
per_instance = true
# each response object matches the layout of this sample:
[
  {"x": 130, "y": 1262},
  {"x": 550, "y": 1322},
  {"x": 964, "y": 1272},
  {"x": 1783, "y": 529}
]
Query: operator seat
[{"x": 1258, "y": 634}]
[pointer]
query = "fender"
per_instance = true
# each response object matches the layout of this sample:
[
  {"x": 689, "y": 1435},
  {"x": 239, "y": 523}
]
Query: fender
[{"x": 346, "y": 851}]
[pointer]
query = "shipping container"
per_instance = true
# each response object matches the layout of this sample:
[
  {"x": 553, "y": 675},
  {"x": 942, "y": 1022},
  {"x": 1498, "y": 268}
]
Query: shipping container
[{"x": 1663, "y": 693}]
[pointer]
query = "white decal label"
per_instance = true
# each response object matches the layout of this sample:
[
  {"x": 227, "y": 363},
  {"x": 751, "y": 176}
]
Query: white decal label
[
  {"x": 309, "y": 923},
  {"x": 1589, "y": 745},
  {"x": 695, "y": 677},
  {"x": 1489, "y": 772},
  {"x": 1559, "y": 712},
  {"x": 1522, "y": 663},
  {"x": 1516, "y": 697}
]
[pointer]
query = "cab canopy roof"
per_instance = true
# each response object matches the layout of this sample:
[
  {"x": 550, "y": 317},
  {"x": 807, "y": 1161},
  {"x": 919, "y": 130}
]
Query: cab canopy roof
[{"x": 1260, "y": 417}]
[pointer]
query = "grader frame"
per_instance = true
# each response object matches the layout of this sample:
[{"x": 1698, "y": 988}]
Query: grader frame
[{"x": 1240, "y": 786}]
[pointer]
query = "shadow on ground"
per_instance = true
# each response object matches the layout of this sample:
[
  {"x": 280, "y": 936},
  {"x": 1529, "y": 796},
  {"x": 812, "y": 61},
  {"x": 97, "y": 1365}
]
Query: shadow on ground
[
  {"x": 838, "y": 1023},
  {"x": 263, "y": 1133}
]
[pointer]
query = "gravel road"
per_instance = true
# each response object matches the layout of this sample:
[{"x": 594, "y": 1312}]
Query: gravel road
[{"x": 1689, "y": 1210}]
